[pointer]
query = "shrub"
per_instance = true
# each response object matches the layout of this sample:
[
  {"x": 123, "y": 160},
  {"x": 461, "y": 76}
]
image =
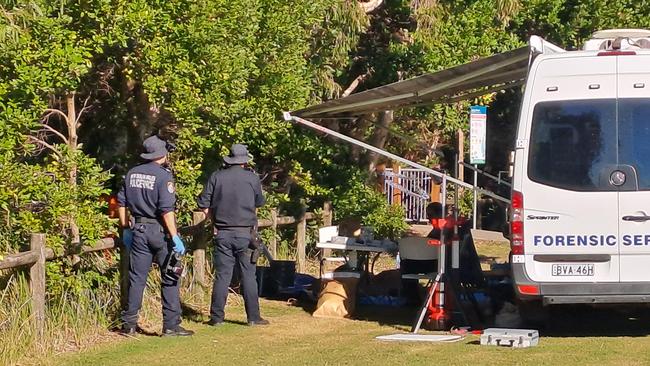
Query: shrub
[{"x": 362, "y": 201}]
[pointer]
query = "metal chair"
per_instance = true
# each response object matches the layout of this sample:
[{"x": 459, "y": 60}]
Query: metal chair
[
  {"x": 418, "y": 249},
  {"x": 325, "y": 234},
  {"x": 422, "y": 261}
]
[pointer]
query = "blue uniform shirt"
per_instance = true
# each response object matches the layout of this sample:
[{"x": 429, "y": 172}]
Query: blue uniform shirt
[
  {"x": 233, "y": 194},
  {"x": 148, "y": 191}
]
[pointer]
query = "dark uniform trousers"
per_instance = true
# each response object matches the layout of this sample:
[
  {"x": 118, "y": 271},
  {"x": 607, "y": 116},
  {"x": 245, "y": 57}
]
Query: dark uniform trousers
[
  {"x": 149, "y": 244},
  {"x": 231, "y": 250}
]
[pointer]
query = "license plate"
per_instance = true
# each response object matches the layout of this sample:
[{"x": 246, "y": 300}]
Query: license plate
[{"x": 572, "y": 270}]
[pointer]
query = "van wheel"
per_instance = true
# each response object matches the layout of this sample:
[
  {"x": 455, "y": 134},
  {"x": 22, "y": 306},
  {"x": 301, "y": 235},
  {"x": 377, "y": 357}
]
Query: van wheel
[{"x": 533, "y": 314}]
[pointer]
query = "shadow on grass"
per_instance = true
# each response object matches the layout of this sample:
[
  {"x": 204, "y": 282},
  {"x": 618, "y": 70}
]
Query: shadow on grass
[
  {"x": 139, "y": 330},
  {"x": 192, "y": 313},
  {"x": 236, "y": 322},
  {"x": 584, "y": 321},
  {"x": 400, "y": 318},
  {"x": 563, "y": 321}
]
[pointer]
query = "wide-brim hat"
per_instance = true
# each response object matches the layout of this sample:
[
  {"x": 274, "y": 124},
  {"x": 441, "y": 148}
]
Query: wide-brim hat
[
  {"x": 238, "y": 155},
  {"x": 154, "y": 148}
]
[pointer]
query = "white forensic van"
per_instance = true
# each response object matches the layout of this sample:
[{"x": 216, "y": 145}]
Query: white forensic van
[{"x": 580, "y": 215}]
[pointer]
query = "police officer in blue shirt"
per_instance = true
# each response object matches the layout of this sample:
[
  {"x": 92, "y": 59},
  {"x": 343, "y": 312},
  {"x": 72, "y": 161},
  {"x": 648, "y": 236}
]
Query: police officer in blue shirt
[
  {"x": 232, "y": 196},
  {"x": 149, "y": 194}
]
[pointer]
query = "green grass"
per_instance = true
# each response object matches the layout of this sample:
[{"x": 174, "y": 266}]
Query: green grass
[
  {"x": 296, "y": 338},
  {"x": 72, "y": 322}
]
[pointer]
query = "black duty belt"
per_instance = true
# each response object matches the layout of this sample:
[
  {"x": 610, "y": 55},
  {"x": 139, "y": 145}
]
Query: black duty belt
[{"x": 146, "y": 220}]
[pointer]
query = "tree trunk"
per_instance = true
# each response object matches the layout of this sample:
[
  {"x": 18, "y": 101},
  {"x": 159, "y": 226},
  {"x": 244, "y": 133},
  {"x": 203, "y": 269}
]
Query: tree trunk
[
  {"x": 378, "y": 138},
  {"x": 72, "y": 144},
  {"x": 141, "y": 117},
  {"x": 359, "y": 133}
]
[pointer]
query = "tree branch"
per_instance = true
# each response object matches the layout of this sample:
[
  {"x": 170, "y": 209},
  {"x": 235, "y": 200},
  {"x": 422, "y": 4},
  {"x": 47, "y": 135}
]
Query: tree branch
[
  {"x": 370, "y": 5},
  {"x": 46, "y": 145},
  {"x": 56, "y": 111},
  {"x": 353, "y": 85},
  {"x": 53, "y": 130},
  {"x": 83, "y": 109}
]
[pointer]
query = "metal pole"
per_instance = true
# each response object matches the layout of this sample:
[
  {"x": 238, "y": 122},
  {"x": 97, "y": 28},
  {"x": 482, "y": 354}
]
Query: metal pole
[
  {"x": 475, "y": 199},
  {"x": 455, "y": 249},
  {"x": 498, "y": 179},
  {"x": 315, "y": 126},
  {"x": 442, "y": 261}
]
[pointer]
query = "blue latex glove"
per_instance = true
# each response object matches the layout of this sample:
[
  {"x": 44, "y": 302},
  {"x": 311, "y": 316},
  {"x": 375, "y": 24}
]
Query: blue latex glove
[
  {"x": 179, "y": 246},
  {"x": 127, "y": 238}
]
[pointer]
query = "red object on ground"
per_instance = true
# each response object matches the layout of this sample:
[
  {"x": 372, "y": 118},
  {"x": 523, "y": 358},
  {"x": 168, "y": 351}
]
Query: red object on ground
[{"x": 439, "y": 316}]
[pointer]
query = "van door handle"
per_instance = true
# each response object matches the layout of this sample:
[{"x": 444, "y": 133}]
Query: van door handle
[{"x": 636, "y": 218}]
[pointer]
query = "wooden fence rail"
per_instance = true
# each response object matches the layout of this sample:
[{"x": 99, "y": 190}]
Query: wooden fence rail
[
  {"x": 38, "y": 254},
  {"x": 199, "y": 244}
]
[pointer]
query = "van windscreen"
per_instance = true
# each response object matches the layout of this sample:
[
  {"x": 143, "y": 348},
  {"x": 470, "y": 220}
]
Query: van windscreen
[{"x": 572, "y": 143}]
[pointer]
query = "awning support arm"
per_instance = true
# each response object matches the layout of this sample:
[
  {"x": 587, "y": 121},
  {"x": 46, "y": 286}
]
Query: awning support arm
[{"x": 315, "y": 126}]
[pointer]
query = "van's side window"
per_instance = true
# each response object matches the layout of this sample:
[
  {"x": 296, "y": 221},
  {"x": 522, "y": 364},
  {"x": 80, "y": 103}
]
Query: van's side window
[
  {"x": 634, "y": 137},
  {"x": 573, "y": 144}
]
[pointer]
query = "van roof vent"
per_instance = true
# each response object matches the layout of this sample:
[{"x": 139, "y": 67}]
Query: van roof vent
[{"x": 618, "y": 39}]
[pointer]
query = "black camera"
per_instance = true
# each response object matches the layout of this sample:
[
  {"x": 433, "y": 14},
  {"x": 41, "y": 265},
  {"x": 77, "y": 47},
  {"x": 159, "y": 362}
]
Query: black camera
[
  {"x": 171, "y": 147},
  {"x": 174, "y": 269}
]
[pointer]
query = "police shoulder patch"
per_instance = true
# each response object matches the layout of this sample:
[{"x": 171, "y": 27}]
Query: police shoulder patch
[{"x": 170, "y": 187}]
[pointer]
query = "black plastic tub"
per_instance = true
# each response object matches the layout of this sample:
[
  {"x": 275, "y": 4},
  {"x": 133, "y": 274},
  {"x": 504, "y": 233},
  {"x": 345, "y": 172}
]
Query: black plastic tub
[{"x": 281, "y": 275}]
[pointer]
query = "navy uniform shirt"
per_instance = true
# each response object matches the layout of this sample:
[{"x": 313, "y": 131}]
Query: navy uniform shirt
[
  {"x": 233, "y": 194},
  {"x": 148, "y": 191}
]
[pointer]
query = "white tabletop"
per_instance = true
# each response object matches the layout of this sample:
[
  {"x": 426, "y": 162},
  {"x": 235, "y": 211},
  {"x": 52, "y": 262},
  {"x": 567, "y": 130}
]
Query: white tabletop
[{"x": 357, "y": 247}]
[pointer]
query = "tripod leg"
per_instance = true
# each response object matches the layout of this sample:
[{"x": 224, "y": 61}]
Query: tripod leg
[{"x": 425, "y": 305}]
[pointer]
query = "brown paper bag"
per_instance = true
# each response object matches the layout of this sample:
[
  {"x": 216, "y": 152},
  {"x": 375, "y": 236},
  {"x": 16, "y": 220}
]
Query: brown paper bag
[{"x": 337, "y": 298}]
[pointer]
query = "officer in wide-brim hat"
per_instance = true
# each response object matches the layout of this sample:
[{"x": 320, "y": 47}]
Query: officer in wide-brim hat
[
  {"x": 232, "y": 195},
  {"x": 149, "y": 193},
  {"x": 155, "y": 148},
  {"x": 238, "y": 155}
]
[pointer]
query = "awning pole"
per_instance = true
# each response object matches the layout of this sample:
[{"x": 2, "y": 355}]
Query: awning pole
[{"x": 315, "y": 126}]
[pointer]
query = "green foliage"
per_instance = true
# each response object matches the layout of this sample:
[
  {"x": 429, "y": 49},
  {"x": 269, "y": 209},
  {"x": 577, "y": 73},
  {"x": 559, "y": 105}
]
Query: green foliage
[
  {"x": 453, "y": 33},
  {"x": 224, "y": 70},
  {"x": 371, "y": 207},
  {"x": 39, "y": 198},
  {"x": 40, "y": 58},
  {"x": 94, "y": 273},
  {"x": 43, "y": 57},
  {"x": 332, "y": 42},
  {"x": 466, "y": 203},
  {"x": 570, "y": 24}
]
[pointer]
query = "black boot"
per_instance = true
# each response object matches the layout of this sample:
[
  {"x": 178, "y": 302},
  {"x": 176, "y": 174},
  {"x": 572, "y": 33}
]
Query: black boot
[
  {"x": 177, "y": 332},
  {"x": 127, "y": 330},
  {"x": 215, "y": 323},
  {"x": 258, "y": 322}
]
